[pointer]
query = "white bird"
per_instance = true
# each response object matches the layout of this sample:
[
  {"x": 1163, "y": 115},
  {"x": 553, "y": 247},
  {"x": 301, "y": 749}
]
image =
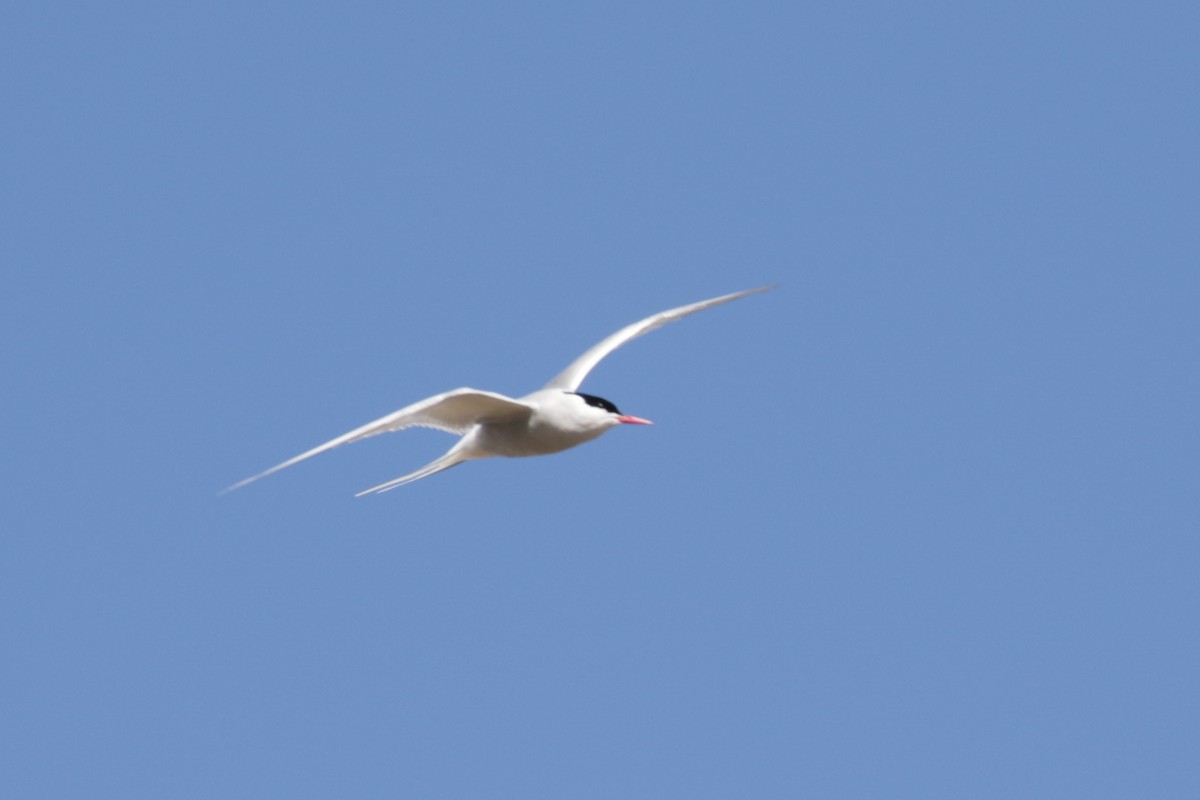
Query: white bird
[{"x": 550, "y": 420}]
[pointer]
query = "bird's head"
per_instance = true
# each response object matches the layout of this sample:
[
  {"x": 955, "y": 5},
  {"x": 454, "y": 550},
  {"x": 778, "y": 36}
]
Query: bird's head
[{"x": 599, "y": 409}]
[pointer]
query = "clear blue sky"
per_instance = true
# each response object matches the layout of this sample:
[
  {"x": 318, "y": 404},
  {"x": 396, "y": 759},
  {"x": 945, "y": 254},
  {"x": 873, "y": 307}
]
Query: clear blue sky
[{"x": 920, "y": 524}]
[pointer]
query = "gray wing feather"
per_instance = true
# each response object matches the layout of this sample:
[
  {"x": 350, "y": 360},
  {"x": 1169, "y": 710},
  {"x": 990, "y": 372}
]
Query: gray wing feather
[
  {"x": 453, "y": 412},
  {"x": 570, "y": 378}
]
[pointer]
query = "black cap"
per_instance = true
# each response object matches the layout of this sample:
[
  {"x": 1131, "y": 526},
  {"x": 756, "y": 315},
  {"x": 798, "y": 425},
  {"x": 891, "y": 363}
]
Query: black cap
[{"x": 598, "y": 402}]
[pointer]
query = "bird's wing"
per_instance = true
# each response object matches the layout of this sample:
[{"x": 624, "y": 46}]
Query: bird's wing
[
  {"x": 570, "y": 378},
  {"x": 453, "y": 412}
]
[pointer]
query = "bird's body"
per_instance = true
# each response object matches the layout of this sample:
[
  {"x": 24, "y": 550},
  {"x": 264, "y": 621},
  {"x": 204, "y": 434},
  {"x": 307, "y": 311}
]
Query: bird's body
[
  {"x": 549, "y": 420},
  {"x": 558, "y": 421}
]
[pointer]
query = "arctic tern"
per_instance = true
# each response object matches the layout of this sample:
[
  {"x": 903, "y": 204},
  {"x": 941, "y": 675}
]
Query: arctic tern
[{"x": 550, "y": 420}]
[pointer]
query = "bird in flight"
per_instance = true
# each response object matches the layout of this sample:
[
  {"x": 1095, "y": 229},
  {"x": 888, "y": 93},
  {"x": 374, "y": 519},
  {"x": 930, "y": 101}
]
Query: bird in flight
[{"x": 550, "y": 420}]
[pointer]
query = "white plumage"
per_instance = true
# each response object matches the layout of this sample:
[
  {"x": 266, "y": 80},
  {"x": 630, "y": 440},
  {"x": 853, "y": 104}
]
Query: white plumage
[{"x": 554, "y": 418}]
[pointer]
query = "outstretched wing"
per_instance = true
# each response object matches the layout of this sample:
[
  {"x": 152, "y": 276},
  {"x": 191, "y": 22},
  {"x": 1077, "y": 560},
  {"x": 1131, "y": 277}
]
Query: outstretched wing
[
  {"x": 453, "y": 412},
  {"x": 570, "y": 378}
]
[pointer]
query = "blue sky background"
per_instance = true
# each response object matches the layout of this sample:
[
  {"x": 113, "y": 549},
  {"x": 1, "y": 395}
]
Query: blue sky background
[{"x": 921, "y": 523}]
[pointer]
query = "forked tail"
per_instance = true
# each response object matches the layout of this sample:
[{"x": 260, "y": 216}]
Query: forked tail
[{"x": 453, "y": 458}]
